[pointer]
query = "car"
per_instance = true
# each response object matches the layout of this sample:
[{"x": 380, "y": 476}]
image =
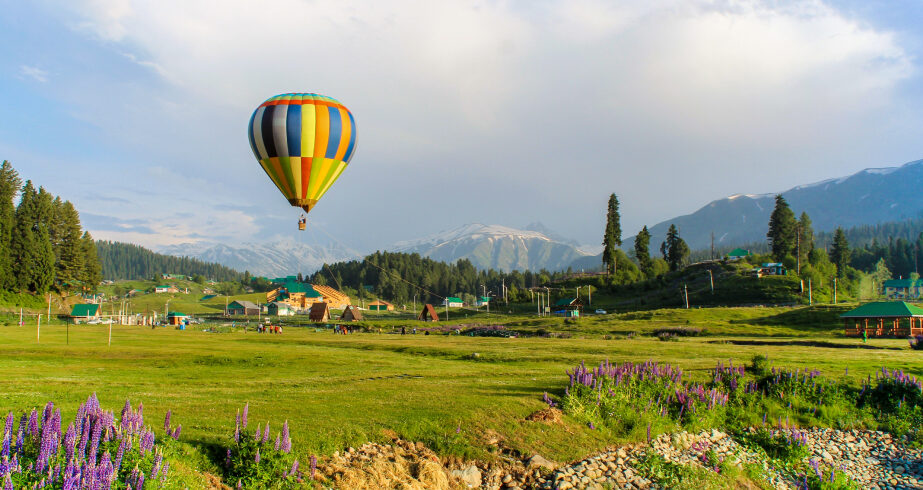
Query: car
[{"x": 600, "y": 312}]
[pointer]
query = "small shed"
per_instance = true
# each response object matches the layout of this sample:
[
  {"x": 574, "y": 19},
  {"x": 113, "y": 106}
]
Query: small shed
[
  {"x": 380, "y": 305},
  {"x": 85, "y": 312},
  {"x": 280, "y": 309},
  {"x": 242, "y": 307},
  {"x": 428, "y": 314},
  {"x": 351, "y": 314},
  {"x": 320, "y": 312},
  {"x": 570, "y": 307},
  {"x": 176, "y": 318},
  {"x": 884, "y": 319}
]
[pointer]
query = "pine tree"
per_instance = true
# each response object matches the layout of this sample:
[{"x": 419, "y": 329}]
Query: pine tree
[
  {"x": 839, "y": 254},
  {"x": 613, "y": 236},
  {"x": 805, "y": 238},
  {"x": 44, "y": 260},
  {"x": 92, "y": 270},
  {"x": 642, "y": 251},
  {"x": 22, "y": 242},
  {"x": 782, "y": 230},
  {"x": 9, "y": 186},
  {"x": 675, "y": 249},
  {"x": 67, "y": 242}
]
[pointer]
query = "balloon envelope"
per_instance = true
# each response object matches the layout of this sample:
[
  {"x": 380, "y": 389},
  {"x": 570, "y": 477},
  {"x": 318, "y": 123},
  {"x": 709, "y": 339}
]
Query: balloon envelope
[{"x": 303, "y": 142}]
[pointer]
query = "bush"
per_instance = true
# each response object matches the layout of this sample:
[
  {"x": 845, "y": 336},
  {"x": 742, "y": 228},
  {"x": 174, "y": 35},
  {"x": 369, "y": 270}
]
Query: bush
[
  {"x": 916, "y": 343},
  {"x": 788, "y": 445},
  {"x": 759, "y": 365},
  {"x": 680, "y": 331}
]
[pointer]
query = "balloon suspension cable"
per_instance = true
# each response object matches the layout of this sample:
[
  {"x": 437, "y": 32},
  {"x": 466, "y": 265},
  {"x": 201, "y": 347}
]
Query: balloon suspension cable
[{"x": 393, "y": 274}]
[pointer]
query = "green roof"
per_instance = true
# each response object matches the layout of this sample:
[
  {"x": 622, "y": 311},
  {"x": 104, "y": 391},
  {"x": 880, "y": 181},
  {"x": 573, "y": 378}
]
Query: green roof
[
  {"x": 453, "y": 299},
  {"x": 176, "y": 313},
  {"x": 565, "y": 301},
  {"x": 85, "y": 310},
  {"x": 738, "y": 252},
  {"x": 484, "y": 299},
  {"x": 300, "y": 287},
  {"x": 158, "y": 287},
  {"x": 884, "y": 309},
  {"x": 903, "y": 283}
]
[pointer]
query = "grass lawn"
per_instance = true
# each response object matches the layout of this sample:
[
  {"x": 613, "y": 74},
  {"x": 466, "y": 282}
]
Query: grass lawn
[{"x": 339, "y": 391}]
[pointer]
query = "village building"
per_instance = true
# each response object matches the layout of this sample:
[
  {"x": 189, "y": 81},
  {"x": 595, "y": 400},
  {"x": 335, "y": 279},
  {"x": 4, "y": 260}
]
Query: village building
[
  {"x": 453, "y": 302},
  {"x": 320, "y": 312},
  {"x": 428, "y": 314},
  {"x": 737, "y": 254},
  {"x": 176, "y": 318},
  {"x": 280, "y": 309},
  {"x": 380, "y": 305},
  {"x": 483, "y": 301},
  {"x": 242, "y": 307},
  {"x": 351, "y": 314},
  {"x": 903, "y": 288},
  {"x": 335, "y": 299},
  {"x": 770, "y": 269},
  {"x": 166, "y": 289},
  {"x": 296, "y": 294},
  {"x": 884, "y": 319},
  {"x": 85, "y": 312},
  {"x": 568, "y": 307}
]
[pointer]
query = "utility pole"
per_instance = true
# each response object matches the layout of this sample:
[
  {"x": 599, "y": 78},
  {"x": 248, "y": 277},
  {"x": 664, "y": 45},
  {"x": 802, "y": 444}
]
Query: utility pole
[
  {"x": 711, "y": 281},
  {"x": 798, "y": 247},
  {"x": 834, "y": 290},
  {"x": 713, "y": 245},
  {"x": 590, "y": 295},
  {"x": 810, "y": 291},
  {"x": 38, "y": 329},
  {"x": 686, "y": 295}
]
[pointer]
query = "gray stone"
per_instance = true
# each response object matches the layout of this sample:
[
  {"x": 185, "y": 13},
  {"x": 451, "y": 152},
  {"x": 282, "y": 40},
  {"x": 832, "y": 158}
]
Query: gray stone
[
  {"x": 470, "y": 475},
  {"x": 537, "y": 461}
]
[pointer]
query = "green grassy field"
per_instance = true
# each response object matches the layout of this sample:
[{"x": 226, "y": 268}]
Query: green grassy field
[{"x": 337, "y": 391}]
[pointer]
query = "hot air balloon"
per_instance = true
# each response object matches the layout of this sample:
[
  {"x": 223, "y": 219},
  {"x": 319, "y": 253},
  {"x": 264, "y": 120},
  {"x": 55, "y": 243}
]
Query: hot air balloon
[{"x": 303, "y": 142}]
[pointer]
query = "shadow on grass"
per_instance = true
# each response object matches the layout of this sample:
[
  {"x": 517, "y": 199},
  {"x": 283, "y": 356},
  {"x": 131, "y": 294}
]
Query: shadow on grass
[{"x": 804, "y": 343}]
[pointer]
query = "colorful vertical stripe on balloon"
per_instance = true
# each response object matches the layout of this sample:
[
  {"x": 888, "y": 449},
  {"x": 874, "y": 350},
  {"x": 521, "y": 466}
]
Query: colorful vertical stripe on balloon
[{"x": 303, "y": 142}]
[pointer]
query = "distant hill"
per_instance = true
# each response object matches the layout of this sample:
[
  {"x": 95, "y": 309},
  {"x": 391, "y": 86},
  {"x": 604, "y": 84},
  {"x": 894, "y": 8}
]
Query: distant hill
[
  {"x": 273, "y": 259},
  {"x": 128, "y": 261},
  {"x": 872, "y": 196},
  {"x": 496, "y": 247}
]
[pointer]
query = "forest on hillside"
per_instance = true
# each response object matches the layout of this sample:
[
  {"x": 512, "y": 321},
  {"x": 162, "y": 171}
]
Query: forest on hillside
[{"x": 127, "y": 261}]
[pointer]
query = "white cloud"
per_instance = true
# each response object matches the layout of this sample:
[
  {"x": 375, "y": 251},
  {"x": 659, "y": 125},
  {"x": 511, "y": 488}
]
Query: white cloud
[
  {"x": 626, "y": 92},
  {"x": 34, "y": 73}
]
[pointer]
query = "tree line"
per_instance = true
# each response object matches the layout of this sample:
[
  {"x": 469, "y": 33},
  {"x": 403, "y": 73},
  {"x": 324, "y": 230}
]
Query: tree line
[
  {"x": 42, "y": 244},
  {"x": 128, "y": 261}
]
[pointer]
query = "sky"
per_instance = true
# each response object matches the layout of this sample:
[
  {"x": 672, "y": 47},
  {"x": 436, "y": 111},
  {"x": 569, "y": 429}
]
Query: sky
[{"x": 497, "y": 112}]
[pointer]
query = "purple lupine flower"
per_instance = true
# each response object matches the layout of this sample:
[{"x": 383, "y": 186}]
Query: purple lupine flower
[
  {"x": 239, "y": 486},
  {"x": 166, "y": 421},
  {"x": 648, "y": 432},
  {"x": 118, "y": 455},
  {"x": 590, "y": 424},
  {"x": 8, "y": 482},
  {"x": 163, "y": 472},
  {"x": 176, "y": 432},
  {"x": 294, "y": 470},
  {"x": 256, "y": 459},
  {"x": 313, "y": 466},
  {"x": 258, "y": 434},
  {"x": 278, "y": 443},
  {"x": 243, "y": 420},
  {"x": 156, "y": 467},
  {"x": 286, "y": 440},
  {"x": 266, "y": 434},
  {"x": 227, "y": 459}
]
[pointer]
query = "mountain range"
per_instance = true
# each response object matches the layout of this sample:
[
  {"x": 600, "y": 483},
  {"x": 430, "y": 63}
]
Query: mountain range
[{"x": 871, "y": 196}]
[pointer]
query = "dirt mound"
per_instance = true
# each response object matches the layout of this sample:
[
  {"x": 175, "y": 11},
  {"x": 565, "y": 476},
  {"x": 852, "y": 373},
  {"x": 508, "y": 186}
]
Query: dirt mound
[
  {"x": 401, "y": 465},
  {"x": 548, "y": 415}
]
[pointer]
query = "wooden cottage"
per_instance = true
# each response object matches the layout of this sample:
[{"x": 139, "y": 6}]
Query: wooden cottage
[
  {"x": 428, "y": 314},
  {"x": 569, "y": 307},
  {"x": 903, "y": 288},
  {"x": 320, "y": 312},
  {"x": 242, "y": 307},
  {"x": 380, "y": 305},
  {"x": 176, "y": 318},
  {"x": 884, "y": 319},
  {"x": 85, "y": 312},
  {"x": 351, "y": 314}
]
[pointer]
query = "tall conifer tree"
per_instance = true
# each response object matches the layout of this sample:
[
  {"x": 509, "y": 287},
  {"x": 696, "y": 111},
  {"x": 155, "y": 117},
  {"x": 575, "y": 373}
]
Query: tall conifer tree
[
  {"x": 839, "y": 254},
  {"x": 92, "y": 272},
  {"x": 642, "y": 251},
  {"x": 69, "y": 254},
  {"x": 782, "y": 230},
  {"x": 612, "y": 239},
  {"x": 22, "y": 243},
  {"x": 675, "y": 249},
  {"x": 9, "y": 186}
]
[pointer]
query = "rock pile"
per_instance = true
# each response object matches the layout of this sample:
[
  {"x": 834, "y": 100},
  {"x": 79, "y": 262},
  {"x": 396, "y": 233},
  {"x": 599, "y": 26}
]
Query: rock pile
[{"x": 872, "y": 459}]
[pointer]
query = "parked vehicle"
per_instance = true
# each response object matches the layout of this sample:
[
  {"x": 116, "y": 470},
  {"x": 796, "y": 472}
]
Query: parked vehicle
[{"x": 600, "y": 312}]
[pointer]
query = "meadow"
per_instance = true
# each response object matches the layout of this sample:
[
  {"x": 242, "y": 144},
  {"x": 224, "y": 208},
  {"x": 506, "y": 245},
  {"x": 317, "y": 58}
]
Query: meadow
[{"x": 446, "y": 391}]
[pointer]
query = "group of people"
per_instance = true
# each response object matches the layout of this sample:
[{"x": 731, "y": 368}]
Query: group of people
[
  {"x": 342, "y": 329},
  {"x": 268, "y": 329}
]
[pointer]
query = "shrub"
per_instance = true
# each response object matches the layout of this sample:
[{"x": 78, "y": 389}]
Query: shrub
[
  {"x": 787, "y": 445},
  {"x": 759, "y": 365},
  {"x": 680, "y": 331},
  {"x": 916, "y": 343}
]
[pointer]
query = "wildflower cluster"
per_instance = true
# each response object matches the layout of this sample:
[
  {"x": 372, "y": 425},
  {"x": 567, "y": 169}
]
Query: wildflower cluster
[
  {"x": 95, "y": 451},
  {"x": 780, "y": 443},
  {"x": 256, "y": 461},
  {"x": 896, "y": 399},
  {"x": 824, "y": 478},
  {"x": 624, "y": 394}
]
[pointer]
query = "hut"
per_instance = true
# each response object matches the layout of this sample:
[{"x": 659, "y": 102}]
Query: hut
[
  {"x": 569, "y": 307},
  {"x": 380, "y": 305},
  {"x": 85, "y": 312},
  {"x": 242, "y": 307},
  {"x": 280, "y": 309},
  {"x": 351, "y": 314},
  {"x": 320, "y": 312},
  {"x": 884, "y": 319},
  {"x": 176, "y": 318},
  {"x": 428, "y": 314}
]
